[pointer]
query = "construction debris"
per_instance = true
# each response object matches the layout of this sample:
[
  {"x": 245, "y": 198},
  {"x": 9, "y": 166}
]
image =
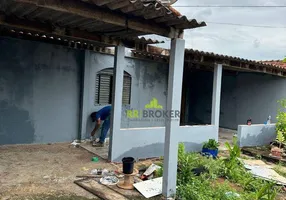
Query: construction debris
[
  {"x": 109, "y": 180},
  {"x": 148, "y": 174},
  {"x": 150, "y": 188},
  {"x": 99, "y": 190},
  {"x": 99, "y": 178},
  {"x": 75, "y": 143},
  {"x": 260, "y": 169},
  {"x": 103, "y": 172}
]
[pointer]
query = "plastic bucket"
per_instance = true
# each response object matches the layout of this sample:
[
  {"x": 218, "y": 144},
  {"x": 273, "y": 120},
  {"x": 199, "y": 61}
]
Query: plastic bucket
[
  {"x": 212, "y": 152},
  {"x": 128, "y": 165}
]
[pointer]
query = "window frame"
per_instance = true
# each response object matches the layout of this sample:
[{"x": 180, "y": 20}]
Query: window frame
[{"x": 98, "y": 82}]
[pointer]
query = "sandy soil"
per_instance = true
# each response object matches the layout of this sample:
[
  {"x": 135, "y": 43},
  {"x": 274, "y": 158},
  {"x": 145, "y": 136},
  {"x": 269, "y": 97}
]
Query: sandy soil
[{"x": 46, "y": 170}]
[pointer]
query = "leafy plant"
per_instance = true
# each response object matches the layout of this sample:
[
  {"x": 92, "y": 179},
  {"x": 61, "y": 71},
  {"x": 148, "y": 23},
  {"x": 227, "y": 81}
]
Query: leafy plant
[
  {"x": 266, "y": 192},
  {"x": 280, "y": 138},
  {"x": 216, "y": 182},
  {"x": 234, "y": 153},
  {"x": 211, "y": 144},
  {"x": 281, "y": 122}
]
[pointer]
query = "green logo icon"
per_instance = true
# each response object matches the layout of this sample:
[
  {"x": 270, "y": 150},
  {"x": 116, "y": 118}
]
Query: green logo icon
[{"x": 153, "y": 104}]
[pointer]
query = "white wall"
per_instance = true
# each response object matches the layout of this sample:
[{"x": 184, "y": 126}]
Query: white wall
[
  {"x": 256, "y": 135},
  {"x": 149, "y": 80},
  {"x": 149, "y": 142}
]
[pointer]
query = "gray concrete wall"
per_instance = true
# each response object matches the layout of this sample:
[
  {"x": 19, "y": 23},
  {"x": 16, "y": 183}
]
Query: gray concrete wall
[
  {"x": 39, "y": 92},
  {"x": 149, "y": 80},
  {"x": 243, "y": 95},
  {"x": 257, "y": 96},
  {"x": 256, "y": 135},
  {"x": 228, "y": 106},
  {"x": 149, "y": 142}
]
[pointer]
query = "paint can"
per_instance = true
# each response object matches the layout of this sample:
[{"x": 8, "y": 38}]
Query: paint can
[{"x": 128, "y": 165}]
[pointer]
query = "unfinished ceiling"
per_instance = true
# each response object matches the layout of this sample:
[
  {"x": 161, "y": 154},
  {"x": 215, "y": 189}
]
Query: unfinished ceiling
[{"x": 104, "y": 21}]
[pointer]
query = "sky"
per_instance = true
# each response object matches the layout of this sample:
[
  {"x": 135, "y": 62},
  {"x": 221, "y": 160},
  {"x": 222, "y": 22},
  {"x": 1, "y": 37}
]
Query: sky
[{"x": 246, "y": 42}]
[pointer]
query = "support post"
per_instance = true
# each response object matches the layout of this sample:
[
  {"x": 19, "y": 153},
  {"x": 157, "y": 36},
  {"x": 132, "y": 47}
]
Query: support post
[
  {"x": 84, "y": 93},
  {"x": 216, "y": 96},
  {"x": 115, "y": 123},
  {"x": 172, "y": 125}
]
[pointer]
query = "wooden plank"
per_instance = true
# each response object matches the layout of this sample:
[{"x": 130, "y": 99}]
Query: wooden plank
[
  {"x": 63, "y": 33},
  {"x": 132, "y": 194},
  {"x": 91, "y": 12},
  {"x": 41, "y": 28},
  {"x": 99, "y": 190},
  {"x": 101, "y": 2},
  {"x": 234, "y": 67}
]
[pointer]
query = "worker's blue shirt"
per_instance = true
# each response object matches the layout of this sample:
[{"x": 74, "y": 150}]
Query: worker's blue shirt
[{"x": 103, "y": 113}]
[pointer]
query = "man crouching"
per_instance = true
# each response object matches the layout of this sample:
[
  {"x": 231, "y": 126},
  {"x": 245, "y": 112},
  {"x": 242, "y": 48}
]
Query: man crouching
[{"x": 101, "y": 115}]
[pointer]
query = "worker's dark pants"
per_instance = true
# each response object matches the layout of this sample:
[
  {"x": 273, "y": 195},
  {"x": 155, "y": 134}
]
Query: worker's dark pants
[{"x": 104, "y": 130}]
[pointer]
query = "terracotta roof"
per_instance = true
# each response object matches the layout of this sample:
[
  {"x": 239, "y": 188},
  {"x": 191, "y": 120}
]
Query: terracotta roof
[
  {"x": 273, "y": 64},
  {"x": 207, "y": 59},
  {"x": 150, "y": 10},
  {"x": 276, "y": 63}
]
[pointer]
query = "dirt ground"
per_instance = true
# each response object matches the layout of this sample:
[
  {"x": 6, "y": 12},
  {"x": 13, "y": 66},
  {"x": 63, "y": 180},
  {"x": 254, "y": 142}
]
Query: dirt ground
[
  {"x": 44, "y": 171},
  {"x": 48, "y": 171}
]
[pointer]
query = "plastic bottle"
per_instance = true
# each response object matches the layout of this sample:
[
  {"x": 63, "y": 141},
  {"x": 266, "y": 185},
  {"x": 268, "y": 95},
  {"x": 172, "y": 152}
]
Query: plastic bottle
[{"x": 269, "y": 120}]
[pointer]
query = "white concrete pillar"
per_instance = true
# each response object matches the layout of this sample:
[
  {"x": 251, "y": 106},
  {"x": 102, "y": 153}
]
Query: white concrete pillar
[
  {"x": 85, "y": 94},
  {"x": 115, "y": 123},
  {"x": 216, "y": 96},
  {"x": 176, "y": 68}
]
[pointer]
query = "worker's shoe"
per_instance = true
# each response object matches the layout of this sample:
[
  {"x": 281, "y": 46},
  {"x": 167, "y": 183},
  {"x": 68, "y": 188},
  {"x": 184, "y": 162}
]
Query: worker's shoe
[{"x": 97, "y": 144}]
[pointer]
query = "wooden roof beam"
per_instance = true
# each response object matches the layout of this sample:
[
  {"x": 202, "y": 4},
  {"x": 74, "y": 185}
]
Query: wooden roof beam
[
  {"x": 100, "y": 2},
  {"x": 49, "y": 30},
  {"x": 237, "y": 67},
  {"x": 82, "y": 9}
]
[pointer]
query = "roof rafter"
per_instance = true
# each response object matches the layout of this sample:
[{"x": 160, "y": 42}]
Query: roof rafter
[
  {"x": 195, "y": 59},
  {"x": 96, "y": 13},
  {"x": 50, "y": 30}
]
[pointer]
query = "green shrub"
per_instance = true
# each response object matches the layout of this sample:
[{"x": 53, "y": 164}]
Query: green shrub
[
  {"x": 205, "y": 187},
  {"x": 211, "y": 144},
  {"x": 281, "y": 121},
  {"x": 232, "y": 162}
]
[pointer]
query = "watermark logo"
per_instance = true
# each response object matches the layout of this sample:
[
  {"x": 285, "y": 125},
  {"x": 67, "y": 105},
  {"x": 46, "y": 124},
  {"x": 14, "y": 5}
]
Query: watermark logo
[
  {"x": 153, "y": 111},
  {"x": 153, "y": 104}
]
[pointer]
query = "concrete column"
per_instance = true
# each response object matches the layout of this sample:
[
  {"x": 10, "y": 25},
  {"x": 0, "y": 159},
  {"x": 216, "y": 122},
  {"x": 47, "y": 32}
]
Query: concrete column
[
  {"x": 216, "y": 96},
  {"x": 172, "y": 126},
  {"x": 85, "y": 94},
  {"x": 115, "y": 124}
]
